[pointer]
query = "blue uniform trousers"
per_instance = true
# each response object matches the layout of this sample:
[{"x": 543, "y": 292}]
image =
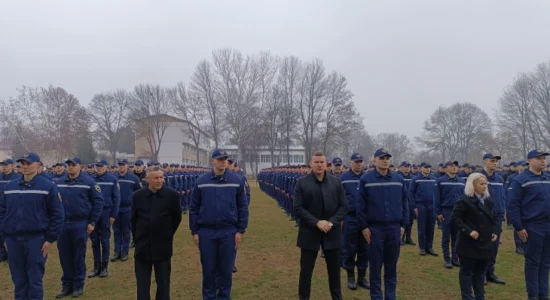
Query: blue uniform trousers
[
  {"x": 101, "y": 237},
  {"x": 496, "y": 244},
  {"x": 384, "y": 250},
  {"x": 408, "y": 229},
  {"x": 185, "y": 201},
  {"x": 537, "y": 259},
  {"x": 122, "y": 231},
  {"x": 72, "y": 254},
  {"x": 354, "y": 245},
  {"x": 217, "y": 250},
  {"x": 450, "y": 234},
  {"x": 426, "y": 226},
  {"x": 3, "y": 252},
  {"x": 27, "y": 267}
]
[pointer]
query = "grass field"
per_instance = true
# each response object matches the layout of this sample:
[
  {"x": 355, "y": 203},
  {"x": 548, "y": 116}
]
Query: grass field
[{"x": 268, "y": 263}]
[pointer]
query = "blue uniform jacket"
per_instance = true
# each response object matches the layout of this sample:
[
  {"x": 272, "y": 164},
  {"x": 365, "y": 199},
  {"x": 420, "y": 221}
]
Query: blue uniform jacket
[
  {"x": 29, "y": 209},
  {"x": 110, "y": 191},
  {"x": 495, "y": 184},
  {"x": 529, "y": 199},
  {"x": 81, "y": 197},
  {"x": 129, "y": 183},
  {"x": 350, "y": 181},
  {"x": 421, "y": 190},
  {"x": 219, "y": 202},
  {"x": 447, "y": 191},
  {"x": 5, "y": 178},
  {"x": 382, "y": 200}
]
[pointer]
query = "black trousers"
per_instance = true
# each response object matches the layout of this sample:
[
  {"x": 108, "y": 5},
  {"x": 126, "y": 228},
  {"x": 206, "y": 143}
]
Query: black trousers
[
  {"x": 307, "y": 263},
  {"x": 472, "y": 276},
  {"x": 143, "y": 270}
]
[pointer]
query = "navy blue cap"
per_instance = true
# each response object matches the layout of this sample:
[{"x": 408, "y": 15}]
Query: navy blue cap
[
  {"x": 177, "y": 165},
  {"x": 466, "y": 165},
  {"x": 513, "y": 164},
  {"x": 337, "y": 161},
  {"x": 156, "y": 163},
  {"x": 425, "y": 165},
  {"x": 90, "y": 165},
  {"x": 381, "y": 153},
  {"x": 414, "y": 166},
  {"x": 30, "y": 157},
  {"x": 218, "y": 153},
  {"x": 450, "y": 163},
  {"x": 139, "y": 162},
  {"x": 356, "y": 157},
  {"x": 441, "y": 165},
  {"x": 74, "y": 160},
  {"x": 536, "y": 153},
  {"x": 522, "y": 163},
  {"x": 491, "y": 156},
  {"x": 404, "y": 164},
  {"x": 164, "y": 165},
  {"x": 229, "y": 159},
  {"x": 101, "y": 162},
  {"x": 7, "y": 161},
  {"x": 122, "y": 161},
  {"x": 149, "y": 164}
]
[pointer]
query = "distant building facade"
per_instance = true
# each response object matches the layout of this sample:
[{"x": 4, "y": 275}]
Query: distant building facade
[
  {"x": 177, "y": 145},
  {"x": 263, "y": 157}
]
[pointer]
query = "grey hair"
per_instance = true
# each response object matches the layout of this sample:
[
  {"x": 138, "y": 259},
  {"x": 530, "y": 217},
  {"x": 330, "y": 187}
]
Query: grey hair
[
  {"x": 469, "y": 188},
  {"x": 154, "y": 169}
]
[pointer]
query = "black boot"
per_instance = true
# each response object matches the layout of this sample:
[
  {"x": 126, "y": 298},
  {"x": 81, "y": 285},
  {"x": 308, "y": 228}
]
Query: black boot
[
  {"x": 65, "y": 292},
  {"x": 78, "y": 292},
  {"x": 124, "y": 256},
  {"x": 97, "y": 270},
  {"x": 115, "y": 257},
  {"x": 362, "y": 279},
  {"x": 351, "y": 280},
  {"x": 104, "y": 271}
]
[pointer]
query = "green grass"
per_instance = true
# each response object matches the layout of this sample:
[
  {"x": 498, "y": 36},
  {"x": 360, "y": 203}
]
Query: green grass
[{"x": 268, "y": 263}]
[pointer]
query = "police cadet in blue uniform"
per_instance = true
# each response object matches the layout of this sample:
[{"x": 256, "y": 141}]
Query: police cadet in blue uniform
[
  {"x": 383, "y": 213},
  {"x": 355, "y": 245},
  {"x": 404, "y": 171},
  {"x": 7, "y": 175},
  {"x": 83, "y": 202},
  {"x": 218, "y": 218},
  {"x": 448, "y": 189},
  {"x": 421, "y": 191},
  {"x": 495, "y": 185},
  {"x": 129, "y": 183},
  {"x": 519, "y": 168},
  {"x": 102, "y": 233},
  {"x": 529, "y": 212},
  {"x": 31, "y": 217}
]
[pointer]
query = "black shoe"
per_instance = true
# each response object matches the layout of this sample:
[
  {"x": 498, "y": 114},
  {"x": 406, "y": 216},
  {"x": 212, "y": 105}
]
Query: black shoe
[
  {"x": 96, "y": 271},
  {"x": 124, "y": 257},
  {"x": 422, "y": 252},
  {"x": 65, "y": 292},
  {"x": 448, "y": 264},
  {"x": 363, "y": 282},
  {"x": 78, "y": 292},
  {"x": 234, "y": 269},
  {"x": 115, "y": 257},
  {"x": 456, "y": 263},
  {"x": 351, "y": 283},
  {"x": 410, "y": 242},
  {"x": 351, "y": 279},
  {"x": 494, "y": 279},
  {"x": 132, "y": 244},
  {"x": 104, "y": 270},
  {"x": 431, "y": 252},
  {"x": 520, "y": 251}
]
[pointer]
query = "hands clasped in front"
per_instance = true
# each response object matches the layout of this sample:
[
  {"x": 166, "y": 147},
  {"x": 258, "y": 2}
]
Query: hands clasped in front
[
  {"x": 324, "y": 225},
  {"x": 475, "y": 235}
]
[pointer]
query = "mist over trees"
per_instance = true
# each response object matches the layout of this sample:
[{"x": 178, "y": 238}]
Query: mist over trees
[{"x": 263, "y": 101}]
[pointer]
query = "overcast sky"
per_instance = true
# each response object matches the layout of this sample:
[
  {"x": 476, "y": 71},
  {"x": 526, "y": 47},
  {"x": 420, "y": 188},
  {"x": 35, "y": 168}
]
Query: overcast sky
[{"x": 404, "y": 57}]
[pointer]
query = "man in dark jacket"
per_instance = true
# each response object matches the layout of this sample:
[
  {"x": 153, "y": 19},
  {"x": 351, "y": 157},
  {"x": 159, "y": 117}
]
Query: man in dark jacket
[
  {"x": 320, "y": 204},
  {"x": 155, "y": 217}
]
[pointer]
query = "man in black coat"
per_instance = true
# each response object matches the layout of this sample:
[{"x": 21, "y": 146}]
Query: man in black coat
[
  {"x": 320, "y": 204},
  {"x": 156, "y": 215}
]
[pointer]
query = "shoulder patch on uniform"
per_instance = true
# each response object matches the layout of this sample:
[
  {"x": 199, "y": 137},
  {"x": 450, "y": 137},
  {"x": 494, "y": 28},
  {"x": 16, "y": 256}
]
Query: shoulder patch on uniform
[{"x": 97, "y": 188}]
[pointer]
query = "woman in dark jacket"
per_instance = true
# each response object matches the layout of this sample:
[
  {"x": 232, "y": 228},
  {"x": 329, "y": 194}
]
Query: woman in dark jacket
[{"x": 475, "y": 218}]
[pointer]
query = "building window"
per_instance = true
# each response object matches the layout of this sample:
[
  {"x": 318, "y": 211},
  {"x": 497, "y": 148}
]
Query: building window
[
  {"x": 265, "y": 158},
  {"x": 298, "y": 159}
]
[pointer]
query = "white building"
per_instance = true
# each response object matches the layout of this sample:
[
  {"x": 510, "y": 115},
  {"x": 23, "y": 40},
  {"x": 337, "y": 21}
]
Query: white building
[
  {"x": 262, "y": 156},
  {"x": 177, "y": 145}
]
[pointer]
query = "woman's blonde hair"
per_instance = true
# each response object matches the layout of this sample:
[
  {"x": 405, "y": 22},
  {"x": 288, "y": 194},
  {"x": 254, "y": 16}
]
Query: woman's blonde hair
[{"x": 469, "y": 188}]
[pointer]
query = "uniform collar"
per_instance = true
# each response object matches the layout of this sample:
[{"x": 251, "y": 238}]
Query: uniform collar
[{"x": 378, "y": 175}]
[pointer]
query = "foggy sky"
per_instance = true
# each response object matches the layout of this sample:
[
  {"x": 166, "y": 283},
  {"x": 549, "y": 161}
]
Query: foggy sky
[{"x": 402, "y": 59}]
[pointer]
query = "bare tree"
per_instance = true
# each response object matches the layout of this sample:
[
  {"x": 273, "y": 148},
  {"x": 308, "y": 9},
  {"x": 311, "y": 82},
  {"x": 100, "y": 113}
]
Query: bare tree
[
  {"x": 109, "y": 114},
  {"x": 203, "y": 85},
  {"x": 149, "y": 107},
  {"x": 357, "y": 141},
  {"x": 398, "y": 145},
  {"x": 312, "y": 101}
]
